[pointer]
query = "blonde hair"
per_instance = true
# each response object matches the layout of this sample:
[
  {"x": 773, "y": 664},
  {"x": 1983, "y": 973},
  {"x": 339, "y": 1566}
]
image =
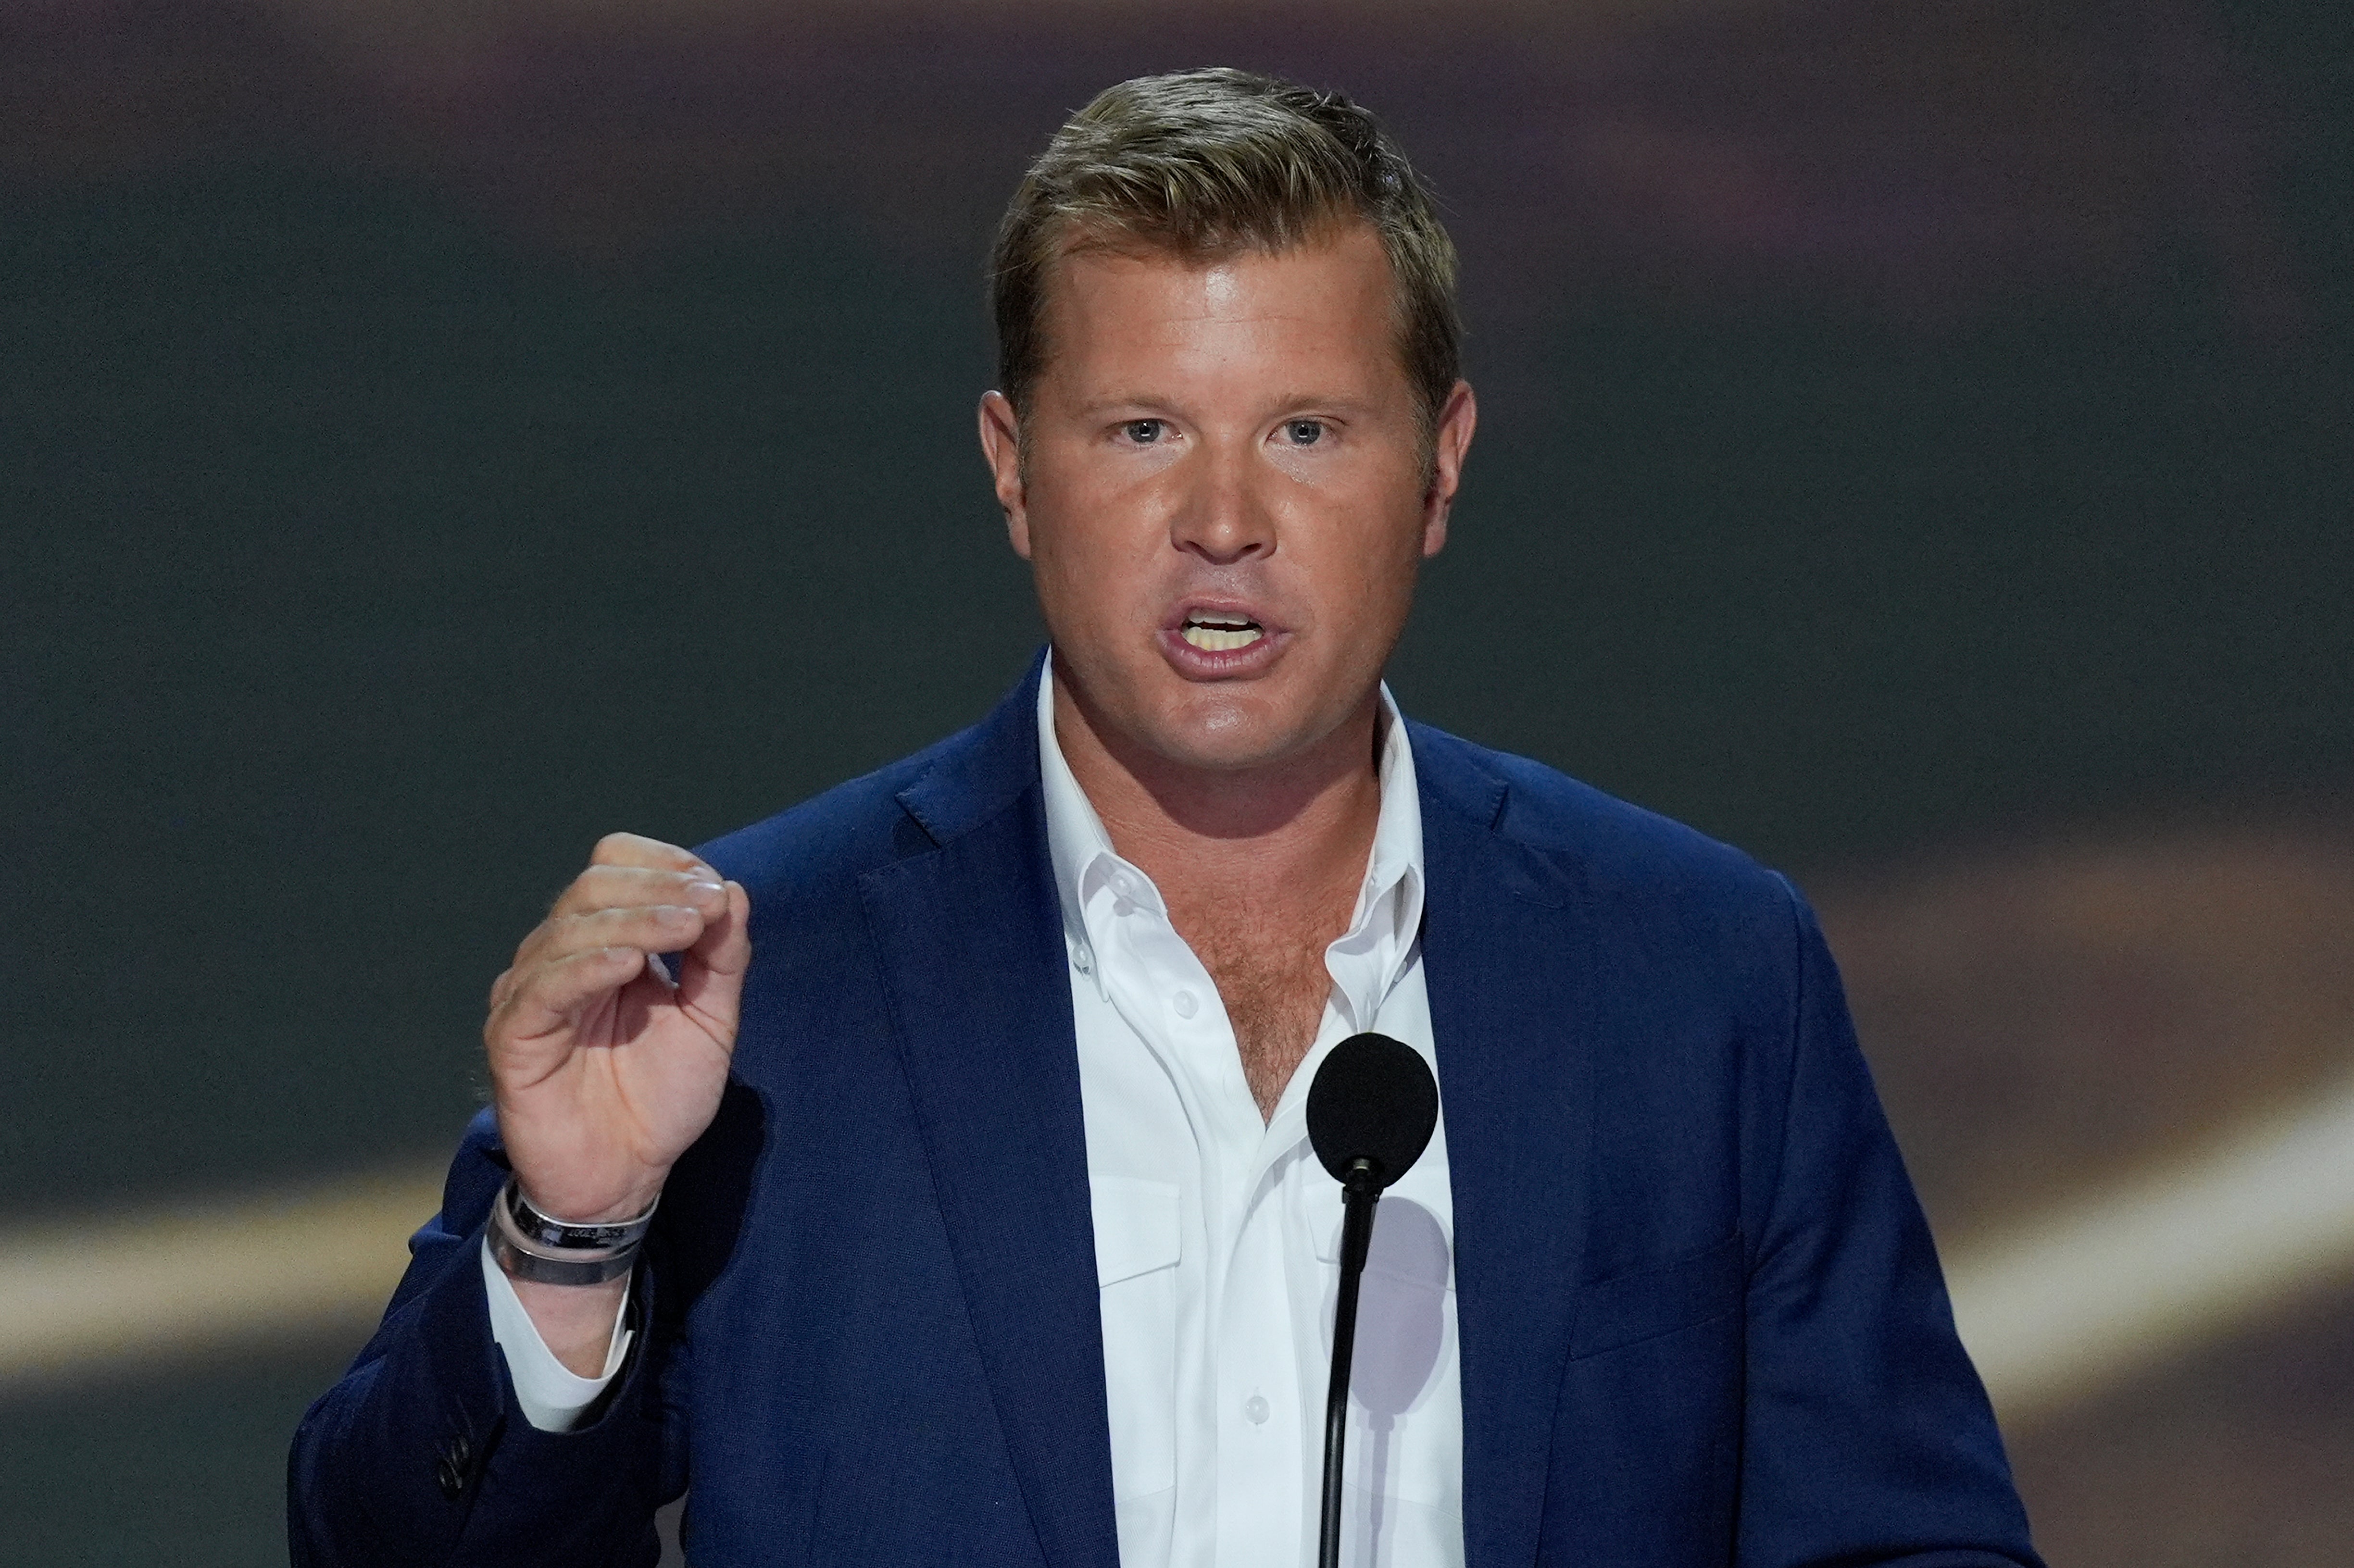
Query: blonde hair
[{"x": 1207, "y": 163}]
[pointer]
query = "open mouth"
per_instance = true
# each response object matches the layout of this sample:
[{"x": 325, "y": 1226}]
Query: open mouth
[{"x": 1214, "y": 631}]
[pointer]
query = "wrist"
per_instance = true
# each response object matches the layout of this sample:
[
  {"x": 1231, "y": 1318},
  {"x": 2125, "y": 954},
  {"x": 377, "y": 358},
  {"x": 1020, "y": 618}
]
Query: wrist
[{"x": 568, "y": 1206}]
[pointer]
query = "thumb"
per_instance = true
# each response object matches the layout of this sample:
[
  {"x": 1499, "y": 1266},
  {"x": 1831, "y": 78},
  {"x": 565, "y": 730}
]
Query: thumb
[{"x": 711, "y": 972}]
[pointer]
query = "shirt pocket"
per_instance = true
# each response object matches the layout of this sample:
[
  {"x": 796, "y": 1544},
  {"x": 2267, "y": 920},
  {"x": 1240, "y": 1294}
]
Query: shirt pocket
[
  {"x": 1409, "y": 1246},
  {"x": 1405, "y": 1398},
  {"x": 1136, "y": 1250},
  {"x": 1645, "y": 1303}
]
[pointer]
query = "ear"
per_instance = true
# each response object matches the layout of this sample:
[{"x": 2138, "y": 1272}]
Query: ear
[
  {"x": 1451, "y": 440},
  {"x": 1001, "y": 448}
]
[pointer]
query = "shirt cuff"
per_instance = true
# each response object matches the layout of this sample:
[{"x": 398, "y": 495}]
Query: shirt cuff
[{"x": 551, "y": 1394}]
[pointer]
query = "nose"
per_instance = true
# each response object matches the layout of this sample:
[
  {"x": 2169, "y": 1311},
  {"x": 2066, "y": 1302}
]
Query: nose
[{"x": 1220, "y": 516}]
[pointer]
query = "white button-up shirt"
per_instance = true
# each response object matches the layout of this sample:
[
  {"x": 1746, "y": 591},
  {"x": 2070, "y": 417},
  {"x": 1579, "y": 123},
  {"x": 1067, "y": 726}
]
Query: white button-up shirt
[{"x": 1217, "y": 1232}]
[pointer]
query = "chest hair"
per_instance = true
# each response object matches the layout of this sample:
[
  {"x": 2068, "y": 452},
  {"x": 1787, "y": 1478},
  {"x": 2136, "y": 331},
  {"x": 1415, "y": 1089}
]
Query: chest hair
[{"x": 1274, "y": 984}]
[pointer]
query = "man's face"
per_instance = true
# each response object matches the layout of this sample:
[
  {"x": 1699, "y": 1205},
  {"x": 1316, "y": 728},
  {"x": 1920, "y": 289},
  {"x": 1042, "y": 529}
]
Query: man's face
[{"x": 1224, "y": 498}]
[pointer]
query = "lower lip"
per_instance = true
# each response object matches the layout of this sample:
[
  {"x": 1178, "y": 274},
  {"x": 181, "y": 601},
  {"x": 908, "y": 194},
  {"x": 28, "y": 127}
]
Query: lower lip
[{"x": 1224, "y": 664}]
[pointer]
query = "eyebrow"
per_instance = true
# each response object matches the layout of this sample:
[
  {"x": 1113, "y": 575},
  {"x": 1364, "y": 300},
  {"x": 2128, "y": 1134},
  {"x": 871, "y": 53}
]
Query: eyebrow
[
  {"x": 1322, "y": 400},
  {"x": 1122, "y": 400},
  {"x": 1095, "y": 408}
]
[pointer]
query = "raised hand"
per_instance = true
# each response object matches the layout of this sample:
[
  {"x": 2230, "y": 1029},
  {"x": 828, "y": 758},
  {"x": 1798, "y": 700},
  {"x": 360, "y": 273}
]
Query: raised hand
[{"x": 604, "y": 1068}]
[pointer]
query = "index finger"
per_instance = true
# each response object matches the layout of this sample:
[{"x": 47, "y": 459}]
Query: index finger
[{"x": 648, "y": 854}]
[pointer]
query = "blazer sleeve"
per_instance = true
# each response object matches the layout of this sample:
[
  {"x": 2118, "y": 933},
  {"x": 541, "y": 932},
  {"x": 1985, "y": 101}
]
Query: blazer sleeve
[
  {"x": 420, "y": 1456},
  {"x": 1867, "y": 1436}
]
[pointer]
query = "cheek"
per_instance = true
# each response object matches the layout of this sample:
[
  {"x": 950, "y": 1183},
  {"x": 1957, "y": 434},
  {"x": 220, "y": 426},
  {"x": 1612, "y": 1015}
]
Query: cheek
[
  {"x": 1060, "y": 572},
  {"x": 1380, "y": 590},
  {"x": 1380, "y": 560},
  {"x": 1087, "y": 576}
]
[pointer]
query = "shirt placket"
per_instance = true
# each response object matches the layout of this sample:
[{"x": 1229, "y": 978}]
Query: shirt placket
[
  {"x": 1260, "y": 1477},
  {"x": 1258, "y": 1375},
  {"x": 1279, "y": 1368}
]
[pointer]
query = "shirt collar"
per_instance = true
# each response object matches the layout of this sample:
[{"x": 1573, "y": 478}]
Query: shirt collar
[{"x": 1382, "y": 930}]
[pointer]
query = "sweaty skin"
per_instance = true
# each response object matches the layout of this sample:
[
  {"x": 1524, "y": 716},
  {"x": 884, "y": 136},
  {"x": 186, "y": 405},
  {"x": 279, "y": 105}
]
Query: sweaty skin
[{"x": 1224, "y": 491}]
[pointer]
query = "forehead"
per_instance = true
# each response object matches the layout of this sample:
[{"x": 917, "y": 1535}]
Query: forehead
[{"x": 1328, "y": 306}]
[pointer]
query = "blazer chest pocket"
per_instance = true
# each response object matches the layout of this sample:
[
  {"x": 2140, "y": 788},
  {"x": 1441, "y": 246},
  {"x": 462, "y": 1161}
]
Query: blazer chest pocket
[{"x": 1649, "y": 1302}]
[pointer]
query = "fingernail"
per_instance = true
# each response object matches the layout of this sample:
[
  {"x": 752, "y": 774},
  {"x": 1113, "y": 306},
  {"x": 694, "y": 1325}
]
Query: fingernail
[{"x": 701, "y": 890}]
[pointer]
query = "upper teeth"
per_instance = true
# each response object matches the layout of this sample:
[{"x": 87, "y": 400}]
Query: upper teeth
[{"x": 1219, "y": 633}]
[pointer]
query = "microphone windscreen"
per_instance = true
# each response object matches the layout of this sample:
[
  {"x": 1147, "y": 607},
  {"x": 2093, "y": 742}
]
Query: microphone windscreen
[{"x": 1373, "y": 1098}]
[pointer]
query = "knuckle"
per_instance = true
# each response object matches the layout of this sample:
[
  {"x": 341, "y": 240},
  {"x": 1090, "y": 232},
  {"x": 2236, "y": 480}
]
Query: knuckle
[
  {"x": 591, "y": 888},
  {"x": 615, "y": 849},
  {"x": 580, "y": 933}
]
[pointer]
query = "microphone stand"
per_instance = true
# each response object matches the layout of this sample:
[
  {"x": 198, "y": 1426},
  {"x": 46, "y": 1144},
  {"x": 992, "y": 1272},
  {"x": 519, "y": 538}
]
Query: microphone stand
[{"x": 1361, "y": 1189}]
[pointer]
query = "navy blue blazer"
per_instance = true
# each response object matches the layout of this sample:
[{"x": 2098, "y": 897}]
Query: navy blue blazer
[{"x": 1700, "y": 1318}]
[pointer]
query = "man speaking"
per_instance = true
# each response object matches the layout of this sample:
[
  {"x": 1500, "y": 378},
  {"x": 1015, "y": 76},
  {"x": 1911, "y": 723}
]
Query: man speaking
[{"x": 922, "y": 1175}]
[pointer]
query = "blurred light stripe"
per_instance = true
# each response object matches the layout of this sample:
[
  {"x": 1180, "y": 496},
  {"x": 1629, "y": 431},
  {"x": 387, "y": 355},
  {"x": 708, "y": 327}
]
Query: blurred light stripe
[
  {"x": 2053, "y": 1313},
  {"x": 2087, "y": 1295},
  {"x": 193, "y": 1276}
]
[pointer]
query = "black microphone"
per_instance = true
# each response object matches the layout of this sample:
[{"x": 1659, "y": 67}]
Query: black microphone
[{"x": 1371, "y": 1112}]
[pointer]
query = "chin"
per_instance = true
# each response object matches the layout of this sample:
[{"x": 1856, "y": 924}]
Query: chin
[{"x": 1221, "y": 734}]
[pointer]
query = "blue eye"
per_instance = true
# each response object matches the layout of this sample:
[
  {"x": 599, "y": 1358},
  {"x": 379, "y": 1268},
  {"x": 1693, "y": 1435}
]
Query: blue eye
[
  {"x": 1304, "y": 433},
  {"x": 1143, "y": 432}
]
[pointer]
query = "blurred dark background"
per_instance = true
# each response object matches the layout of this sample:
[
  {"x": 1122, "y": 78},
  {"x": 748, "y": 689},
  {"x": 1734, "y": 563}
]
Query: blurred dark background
[{"x": 1915, "y": 445}]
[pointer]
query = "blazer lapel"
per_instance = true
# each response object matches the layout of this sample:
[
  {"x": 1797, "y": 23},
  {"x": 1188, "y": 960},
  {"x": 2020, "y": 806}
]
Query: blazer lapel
[
  {"x": 971, "y": 939},
  {"x": 1508, "y": 950}
]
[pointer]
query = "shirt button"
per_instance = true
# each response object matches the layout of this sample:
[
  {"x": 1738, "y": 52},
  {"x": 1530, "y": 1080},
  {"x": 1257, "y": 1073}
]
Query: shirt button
[
  {"x": 1255, "y": 1408},
  {"x": 1184, "y": 1004}
]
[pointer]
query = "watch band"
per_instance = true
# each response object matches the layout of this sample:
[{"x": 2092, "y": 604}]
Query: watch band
[
  {"x": 528, "y": 1245},
  {"x": 571, "y": 1235}
]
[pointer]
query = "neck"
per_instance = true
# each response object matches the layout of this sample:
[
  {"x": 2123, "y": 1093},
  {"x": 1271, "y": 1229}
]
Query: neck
[{"x": 1289, "y": 830}]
